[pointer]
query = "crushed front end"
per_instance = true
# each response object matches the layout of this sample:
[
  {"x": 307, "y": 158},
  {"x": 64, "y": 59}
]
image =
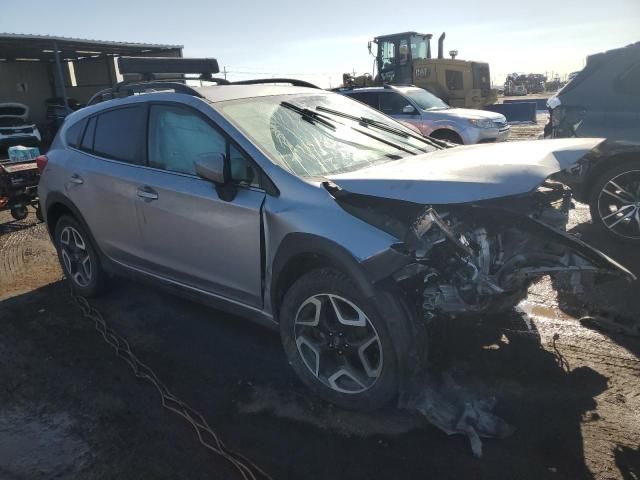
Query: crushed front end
[{"x": 479, "y": 258}]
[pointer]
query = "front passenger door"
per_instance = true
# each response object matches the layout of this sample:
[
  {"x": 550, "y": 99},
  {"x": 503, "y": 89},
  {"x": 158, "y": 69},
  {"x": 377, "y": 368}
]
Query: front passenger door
[{"x": 193, "y": 236}]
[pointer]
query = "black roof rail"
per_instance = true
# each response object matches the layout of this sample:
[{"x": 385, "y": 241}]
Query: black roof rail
[
  {"x": 127, "y": 89},
  {"x": 292, "y": 81}
]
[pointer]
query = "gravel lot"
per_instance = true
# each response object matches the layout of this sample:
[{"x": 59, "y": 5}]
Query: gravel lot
[{"x": 69, "y": 408}]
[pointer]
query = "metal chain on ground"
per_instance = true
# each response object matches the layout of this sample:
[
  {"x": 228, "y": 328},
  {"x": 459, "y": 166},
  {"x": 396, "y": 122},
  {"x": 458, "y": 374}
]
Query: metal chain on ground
[{"x": 207, "y": 437}]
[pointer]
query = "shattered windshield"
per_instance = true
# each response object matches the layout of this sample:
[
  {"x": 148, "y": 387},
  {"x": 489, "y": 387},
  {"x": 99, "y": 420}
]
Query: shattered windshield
[{"x": 304, "y": 134}]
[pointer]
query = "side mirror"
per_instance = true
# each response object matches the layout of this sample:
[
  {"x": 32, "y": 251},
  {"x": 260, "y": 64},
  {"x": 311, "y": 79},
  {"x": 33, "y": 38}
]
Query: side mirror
[
  {"x": 408, "y": 109},
  {"x": 211, "y": 166}
]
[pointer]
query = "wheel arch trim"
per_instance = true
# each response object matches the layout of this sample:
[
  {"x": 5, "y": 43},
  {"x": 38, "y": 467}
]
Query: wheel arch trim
[
  {"x": 297, "y": 244},
  {"x": 55, "y": 198}
]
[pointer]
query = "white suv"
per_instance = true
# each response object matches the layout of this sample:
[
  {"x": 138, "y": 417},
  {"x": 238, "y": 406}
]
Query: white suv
[{"x": 434, "y": 118}]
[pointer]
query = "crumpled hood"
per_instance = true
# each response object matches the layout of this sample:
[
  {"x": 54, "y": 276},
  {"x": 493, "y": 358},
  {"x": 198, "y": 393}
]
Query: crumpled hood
[{"x": 468, "y": 174}]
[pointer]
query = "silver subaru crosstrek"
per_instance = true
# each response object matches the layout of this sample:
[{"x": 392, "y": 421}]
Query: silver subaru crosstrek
[{"x": 314, "y": 214}]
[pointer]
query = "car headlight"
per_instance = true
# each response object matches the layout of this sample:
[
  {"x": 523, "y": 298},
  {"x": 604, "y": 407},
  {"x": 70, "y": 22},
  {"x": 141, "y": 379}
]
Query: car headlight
[{"x": 481, "y": 122}]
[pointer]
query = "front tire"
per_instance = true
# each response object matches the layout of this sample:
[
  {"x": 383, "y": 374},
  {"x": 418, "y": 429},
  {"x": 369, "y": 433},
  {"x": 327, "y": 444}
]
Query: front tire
[
  {"x": 337, "y": 343},
  {"x": 615, "y": 202},
  {"x": 447, "y": 136},
  {"x": 78, "y": 257},
  {"x": 19, "y": 212}
]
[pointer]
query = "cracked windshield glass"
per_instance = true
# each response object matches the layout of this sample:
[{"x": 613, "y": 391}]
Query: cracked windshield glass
[{"x": 314, "y": 142}]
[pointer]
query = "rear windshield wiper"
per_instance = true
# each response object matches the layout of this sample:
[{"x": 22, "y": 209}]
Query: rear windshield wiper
[{"x": 379, "y": 125}]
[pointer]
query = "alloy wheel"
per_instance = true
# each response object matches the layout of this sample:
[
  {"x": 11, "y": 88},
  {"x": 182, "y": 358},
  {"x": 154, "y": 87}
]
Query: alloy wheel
[
  {"x": 338, "y": 343},
  {"x": 619, "y": 204},
  {"x": 75, "y": 256}
]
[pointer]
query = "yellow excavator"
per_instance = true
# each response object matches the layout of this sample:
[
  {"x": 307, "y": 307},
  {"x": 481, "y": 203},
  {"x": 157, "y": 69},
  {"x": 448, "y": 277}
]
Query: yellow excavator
[{"x": 405, "y": 59}]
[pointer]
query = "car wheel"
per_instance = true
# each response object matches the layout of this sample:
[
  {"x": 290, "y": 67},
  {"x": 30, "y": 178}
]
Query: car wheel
[
  {"x": 19, "y": 212},
  {"x": 337, "y": 343},
  {"x": 448, "y": 136},
  {"x": 78, "y": 257},
  {"x": 615, "y": 202}
]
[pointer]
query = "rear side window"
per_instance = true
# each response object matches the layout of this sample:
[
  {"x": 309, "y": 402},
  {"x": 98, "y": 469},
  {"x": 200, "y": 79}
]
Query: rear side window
[
  {"x": 120, "y": 134},
  {"x": 368, "y": 98},
  {"x": 87, "y": 139},
  {"x": 74, "y": 132}
]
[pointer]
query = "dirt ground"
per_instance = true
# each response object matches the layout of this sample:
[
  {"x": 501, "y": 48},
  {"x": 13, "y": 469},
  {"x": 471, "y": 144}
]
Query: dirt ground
[{"x": 69, "y": 408}]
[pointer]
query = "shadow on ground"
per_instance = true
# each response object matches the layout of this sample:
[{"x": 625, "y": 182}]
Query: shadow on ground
[
  {"x": 617, "y": 299},
  {"x": 235, "y": 373}
]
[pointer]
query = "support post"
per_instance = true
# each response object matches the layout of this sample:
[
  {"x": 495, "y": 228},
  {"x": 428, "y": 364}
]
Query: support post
[{"x": 61, "y": 82}]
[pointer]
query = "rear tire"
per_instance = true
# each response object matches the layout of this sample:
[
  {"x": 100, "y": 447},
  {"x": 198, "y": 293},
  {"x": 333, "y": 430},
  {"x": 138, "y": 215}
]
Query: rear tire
[
  {"x": 19, "y": 212},
  {"x": 78, "y": 257},
  {"x": 337, "y": 343},
  {"x": 615, "y": 202}
]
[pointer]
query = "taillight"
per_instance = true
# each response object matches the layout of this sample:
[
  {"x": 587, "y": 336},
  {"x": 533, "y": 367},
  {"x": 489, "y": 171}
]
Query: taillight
[{"x": 41, "y": 162}]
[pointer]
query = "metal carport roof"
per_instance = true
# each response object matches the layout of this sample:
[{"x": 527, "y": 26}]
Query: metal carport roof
[{"x": 42, "y": 47}]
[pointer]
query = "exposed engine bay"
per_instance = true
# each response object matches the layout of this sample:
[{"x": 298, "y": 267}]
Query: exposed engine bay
[{"x": 482, "y": 257}]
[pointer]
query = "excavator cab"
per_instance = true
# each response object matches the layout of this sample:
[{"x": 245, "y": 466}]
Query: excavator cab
[
  {"x": 405, "y": 59},
  {"x": 396, "y": 53}
]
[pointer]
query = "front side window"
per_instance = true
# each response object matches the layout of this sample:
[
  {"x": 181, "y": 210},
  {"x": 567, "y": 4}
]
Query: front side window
[
  {"x": 311, "y": 135},
  {"x": 120, "y": 134},
  {"x": 392, "y": 103},
  {"x": 178, "y": 137},
  {"x": 242, "y": 170}
]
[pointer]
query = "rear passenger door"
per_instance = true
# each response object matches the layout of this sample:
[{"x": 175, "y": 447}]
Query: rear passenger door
[
  {"x": 103, "y": 178},
  {"x": 192, "y": 235}
]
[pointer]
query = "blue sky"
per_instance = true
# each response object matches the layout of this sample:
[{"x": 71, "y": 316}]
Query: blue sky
[{"x": 317, "y": 41}]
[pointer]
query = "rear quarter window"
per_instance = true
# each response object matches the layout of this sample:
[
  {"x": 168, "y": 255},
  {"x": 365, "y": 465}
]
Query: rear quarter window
[
  {"x": 74, "y": 133},
  {"x": 120, "y": 134},
  {"x": 87, "y": 139}
]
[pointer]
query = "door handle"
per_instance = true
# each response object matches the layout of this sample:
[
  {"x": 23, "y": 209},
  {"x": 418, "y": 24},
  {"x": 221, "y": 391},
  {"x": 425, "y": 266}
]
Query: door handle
[
  {"x": 77, "y": 179},
  {"x": 147, "y": 193}
]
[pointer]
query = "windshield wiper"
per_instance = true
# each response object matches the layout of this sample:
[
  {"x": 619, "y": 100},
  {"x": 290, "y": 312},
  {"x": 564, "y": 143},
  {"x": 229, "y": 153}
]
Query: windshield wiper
[
  {"x": 379, "y": 125},
  {"x": 309, "y": 115},
  {"x": 315, "y": 117}
]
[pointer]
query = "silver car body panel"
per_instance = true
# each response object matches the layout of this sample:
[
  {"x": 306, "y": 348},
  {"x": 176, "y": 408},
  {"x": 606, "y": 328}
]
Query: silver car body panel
[{"x": 468, "y": 174}]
